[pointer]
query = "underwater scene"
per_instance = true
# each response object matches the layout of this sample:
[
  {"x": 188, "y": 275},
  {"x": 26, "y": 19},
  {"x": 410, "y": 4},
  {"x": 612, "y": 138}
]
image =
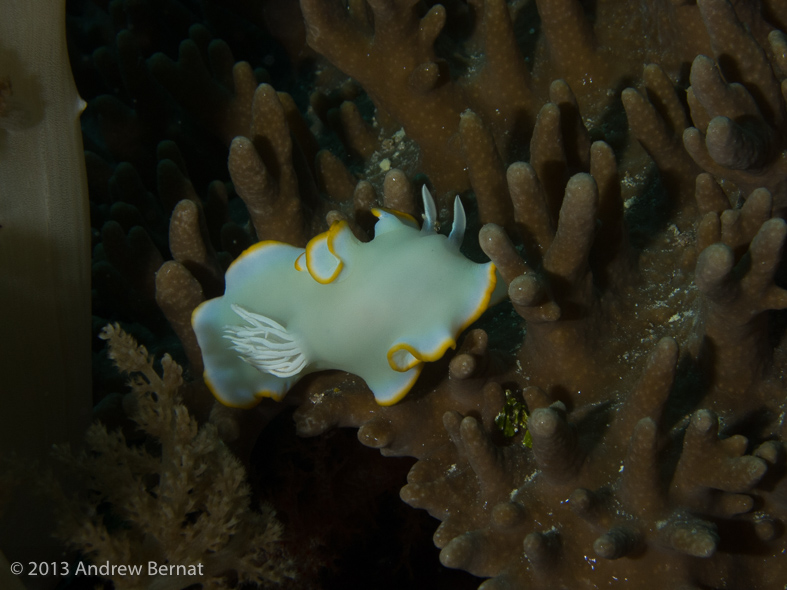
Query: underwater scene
[{"x": 393, "y": 294}]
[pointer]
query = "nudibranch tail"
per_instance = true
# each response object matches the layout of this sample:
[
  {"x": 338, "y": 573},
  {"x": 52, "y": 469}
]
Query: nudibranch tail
[{"x": 266, "y": 345}]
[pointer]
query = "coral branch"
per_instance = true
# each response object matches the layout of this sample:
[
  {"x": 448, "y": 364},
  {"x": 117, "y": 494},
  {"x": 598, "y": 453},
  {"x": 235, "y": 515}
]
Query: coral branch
[
  {"x": 262, "y": 169},
  {"x": 709, "y": 465},
  {"x": 187, "y": 505},
  {"x": 739, "y": 289}
]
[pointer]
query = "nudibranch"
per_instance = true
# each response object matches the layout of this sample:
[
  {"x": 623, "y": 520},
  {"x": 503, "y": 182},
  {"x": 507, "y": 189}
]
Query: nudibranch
[{"x": 378, "y": 309}]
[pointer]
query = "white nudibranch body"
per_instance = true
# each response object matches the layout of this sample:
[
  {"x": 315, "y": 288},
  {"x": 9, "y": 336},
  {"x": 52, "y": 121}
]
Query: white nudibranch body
[{"x": 378, "y": 309}]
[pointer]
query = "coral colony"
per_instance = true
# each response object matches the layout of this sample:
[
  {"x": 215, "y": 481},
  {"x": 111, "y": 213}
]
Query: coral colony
[
  {"x": 194, "y": 523},
  {"x": 621, "y": 417}
]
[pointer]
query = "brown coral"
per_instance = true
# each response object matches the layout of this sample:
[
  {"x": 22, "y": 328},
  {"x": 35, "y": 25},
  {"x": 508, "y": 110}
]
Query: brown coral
[
  {"x": 181, "y": 501},
  {"x": 560, "y": 514},
  {"x": 640, "y": 336}
]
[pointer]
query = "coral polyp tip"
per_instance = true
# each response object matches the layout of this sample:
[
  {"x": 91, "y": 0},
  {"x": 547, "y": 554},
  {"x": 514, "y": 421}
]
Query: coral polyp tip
[{"x": 378, "y": 309}]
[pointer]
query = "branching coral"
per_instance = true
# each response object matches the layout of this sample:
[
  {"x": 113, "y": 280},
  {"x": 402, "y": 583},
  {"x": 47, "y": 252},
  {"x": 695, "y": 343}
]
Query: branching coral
[
  {"x": 641, "y": 336},
  {"x": 559, "y": 514},
  {"x": 738, "y": 106},
  {"x": 262, "y": 170},
  {"x": 735, "y": 273},
  {"x": 178, "y": 497},
  {"x": 415, "y": 89}
]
